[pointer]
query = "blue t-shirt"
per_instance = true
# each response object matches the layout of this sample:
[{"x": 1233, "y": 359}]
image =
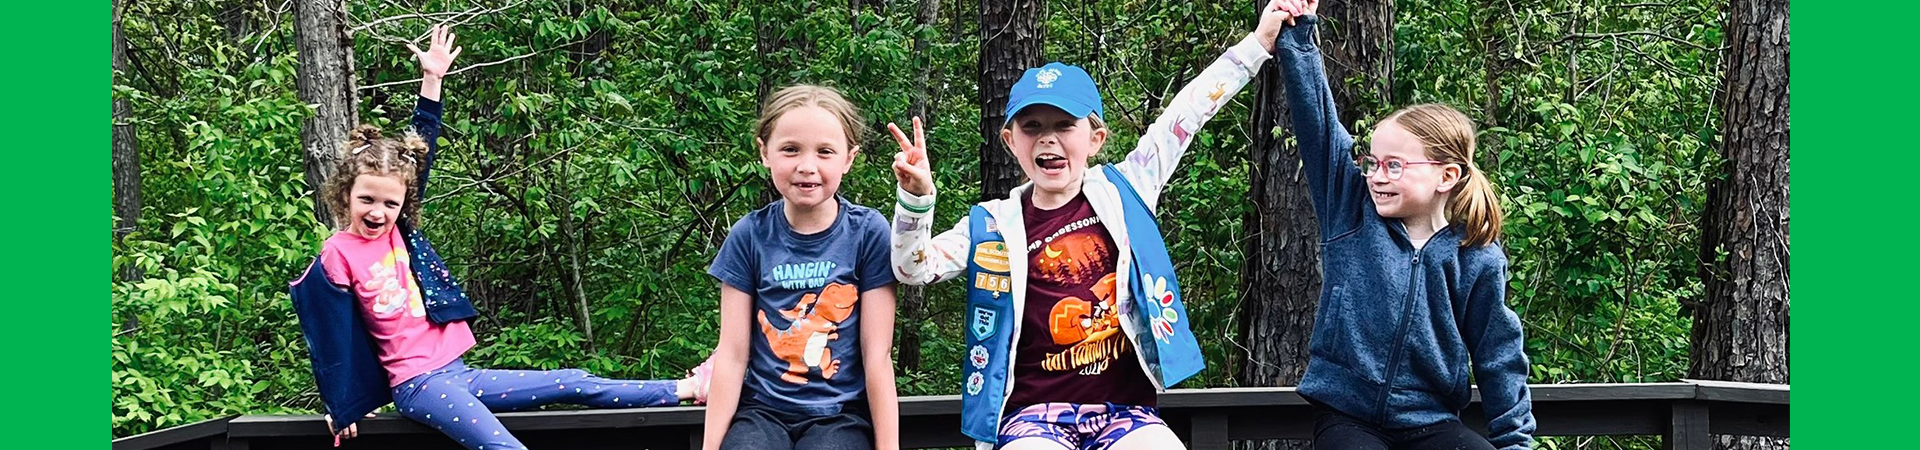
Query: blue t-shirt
[{"x": 805, "y": 355}]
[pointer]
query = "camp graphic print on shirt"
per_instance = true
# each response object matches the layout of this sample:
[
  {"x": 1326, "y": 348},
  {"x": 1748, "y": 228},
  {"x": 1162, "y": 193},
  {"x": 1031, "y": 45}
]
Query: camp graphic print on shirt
[
  {"x": 1071, "y": 347},
  {"x": 1089, "y": 326}
]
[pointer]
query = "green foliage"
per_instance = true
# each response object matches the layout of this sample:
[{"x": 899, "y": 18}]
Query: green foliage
[
  {"x": 594, "y": 166},
  {"x": 1601, "y": 142}
]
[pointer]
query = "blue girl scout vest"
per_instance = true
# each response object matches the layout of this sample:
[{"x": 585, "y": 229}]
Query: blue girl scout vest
[{"x": 1158, "y": 320}]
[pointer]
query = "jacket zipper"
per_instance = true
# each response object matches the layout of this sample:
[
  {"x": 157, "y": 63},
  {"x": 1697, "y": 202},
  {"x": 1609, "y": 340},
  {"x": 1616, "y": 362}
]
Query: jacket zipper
[{"x": 1400, "y": 334}]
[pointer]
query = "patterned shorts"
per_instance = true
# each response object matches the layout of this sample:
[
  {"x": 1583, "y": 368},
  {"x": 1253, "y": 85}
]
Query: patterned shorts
[{"x": 1088, "y": 426}]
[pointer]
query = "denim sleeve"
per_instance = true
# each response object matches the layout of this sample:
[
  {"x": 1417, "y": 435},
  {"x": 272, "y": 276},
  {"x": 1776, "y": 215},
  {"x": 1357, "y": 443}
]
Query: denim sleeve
[
  {"x": 736, "y": 265},
  {"x": 426, "y": 122},
  {"x": 1339, "y": 192},
  {"x": 1498, "y": 348},
  {"x": 876, "y": 253}
]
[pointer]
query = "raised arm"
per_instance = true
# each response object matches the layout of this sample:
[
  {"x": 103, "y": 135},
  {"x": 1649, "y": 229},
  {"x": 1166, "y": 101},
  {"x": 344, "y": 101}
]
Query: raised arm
[
  {"x": 1339, "y": 192},
  {"x": 434, "y": 63},
  {"x": 919, "y": 257},
  {"x": 1158, "y": 154}
]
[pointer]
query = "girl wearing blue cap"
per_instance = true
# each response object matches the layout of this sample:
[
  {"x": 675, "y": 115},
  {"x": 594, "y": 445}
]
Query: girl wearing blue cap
[{"x": 1071, "y": 337}]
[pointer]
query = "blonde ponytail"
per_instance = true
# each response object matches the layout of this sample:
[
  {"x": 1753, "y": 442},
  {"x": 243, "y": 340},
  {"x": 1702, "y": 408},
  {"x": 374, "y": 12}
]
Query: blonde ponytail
[
  {"x": 1476, "y": 208},
  {"x": 1449, "y": 136}
]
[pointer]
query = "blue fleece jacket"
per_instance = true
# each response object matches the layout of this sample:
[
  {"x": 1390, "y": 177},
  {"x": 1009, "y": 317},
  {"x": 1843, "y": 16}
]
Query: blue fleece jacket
[{"x": 1399, "y": 329}]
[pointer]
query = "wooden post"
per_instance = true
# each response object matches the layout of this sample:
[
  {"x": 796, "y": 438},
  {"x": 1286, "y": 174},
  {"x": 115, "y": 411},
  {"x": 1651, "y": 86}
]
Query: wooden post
[
  {"x": 229, "y": 443},
  {"x": 1209, "y": 431},
  {"x": 1688, "y": 427}
]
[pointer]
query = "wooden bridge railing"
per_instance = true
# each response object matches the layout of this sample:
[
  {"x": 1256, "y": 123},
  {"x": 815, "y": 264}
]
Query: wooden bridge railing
[{"x": 1685, "y": 414}]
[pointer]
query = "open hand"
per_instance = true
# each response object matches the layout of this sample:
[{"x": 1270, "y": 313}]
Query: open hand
[{"x": 439, "y": 55}]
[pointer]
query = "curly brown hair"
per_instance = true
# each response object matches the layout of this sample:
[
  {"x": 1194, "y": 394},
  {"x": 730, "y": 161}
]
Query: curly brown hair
[{"x": 368, "y": 153}]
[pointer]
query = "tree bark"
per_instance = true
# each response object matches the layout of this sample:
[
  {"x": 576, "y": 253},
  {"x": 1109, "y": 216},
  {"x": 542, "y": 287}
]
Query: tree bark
[
  {"x": 1740, "y": 330},
  {"x": 1281, "y": 283},
  {"x": 913, "y": 301},
  {"x": 1357, "y": 39},
  {"x": 573, "y": 232},
  {"x": 325, "y": 80},
  {"x": 1009, "y": 44},
  {"x": 126, "y": 149}
]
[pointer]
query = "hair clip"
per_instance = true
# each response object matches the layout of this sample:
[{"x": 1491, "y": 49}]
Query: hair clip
[{"x": 356, "y": 150}]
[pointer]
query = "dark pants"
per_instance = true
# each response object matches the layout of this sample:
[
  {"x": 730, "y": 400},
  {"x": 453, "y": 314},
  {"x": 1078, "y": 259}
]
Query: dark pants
[
  {"x": 1333, "y": 430},
  {"x": 757, "y": 426}
]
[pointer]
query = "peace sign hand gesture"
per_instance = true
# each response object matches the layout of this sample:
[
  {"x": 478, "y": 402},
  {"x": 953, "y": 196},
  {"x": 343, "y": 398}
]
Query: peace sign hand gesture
[{"x": 910, "y": 165}]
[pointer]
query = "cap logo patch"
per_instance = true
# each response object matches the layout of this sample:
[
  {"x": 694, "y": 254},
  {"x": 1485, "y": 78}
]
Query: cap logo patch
[{"x": 1047, "y": 76}]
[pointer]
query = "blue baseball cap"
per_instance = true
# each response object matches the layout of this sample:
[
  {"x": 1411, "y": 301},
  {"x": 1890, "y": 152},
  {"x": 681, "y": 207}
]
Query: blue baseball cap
[{"x": 1060, "y": 85}]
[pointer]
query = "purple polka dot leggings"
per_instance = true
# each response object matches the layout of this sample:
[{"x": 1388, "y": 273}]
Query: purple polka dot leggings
[{"x": 460, "y": 400}]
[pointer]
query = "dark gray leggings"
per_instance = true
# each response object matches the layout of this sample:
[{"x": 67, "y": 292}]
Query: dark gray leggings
[
  {"x": 1333, "y": 430},
  {"x": 757, "y": 426}
]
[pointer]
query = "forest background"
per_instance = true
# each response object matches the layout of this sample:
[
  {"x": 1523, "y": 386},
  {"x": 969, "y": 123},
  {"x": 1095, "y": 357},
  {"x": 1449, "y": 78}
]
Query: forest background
[{"x": 597, "y": 152}]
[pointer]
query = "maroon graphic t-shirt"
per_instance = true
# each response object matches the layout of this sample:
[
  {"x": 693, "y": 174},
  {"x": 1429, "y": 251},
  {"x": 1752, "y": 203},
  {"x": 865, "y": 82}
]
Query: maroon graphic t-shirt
[{"x": 1071, "y": 347}]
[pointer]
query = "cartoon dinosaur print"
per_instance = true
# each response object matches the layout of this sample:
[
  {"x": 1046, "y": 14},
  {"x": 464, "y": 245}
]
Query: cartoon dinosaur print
[{"x": 812, "y": 322}]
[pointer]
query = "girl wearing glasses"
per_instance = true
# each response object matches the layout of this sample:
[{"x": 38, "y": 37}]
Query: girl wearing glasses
[{"x": 1413, "y": 301}]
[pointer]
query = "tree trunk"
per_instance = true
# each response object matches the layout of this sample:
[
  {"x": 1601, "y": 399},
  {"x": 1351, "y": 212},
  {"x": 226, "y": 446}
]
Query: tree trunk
[
  {"x": 1357, "y": 39},
  {"x": 1009, "y": 44},
  {"x": 1282, "y": 267},
  {"x": 1740, "y": 331},
  {"x": 325, "y": 80},
  {"x": 1494, "y": 51},
  {"x": 913, "y": 300},
  {"x": 126, "y": 149},
  {"x": 563, "y": 200}
]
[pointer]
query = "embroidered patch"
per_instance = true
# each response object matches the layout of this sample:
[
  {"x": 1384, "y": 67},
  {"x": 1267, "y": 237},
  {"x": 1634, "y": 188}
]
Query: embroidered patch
[
  {"x": 993, "y": 226},
  {"x": 982, "y": 323},
  {"x": 991, "y": 256},
  {"x": 1046, "y": 78},
  {"x": 1161, "y": 298},
  {"x": 978, "y": 356},
  {"x": 975, "y": 382},
  {"x": 991, "y": 282}
]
